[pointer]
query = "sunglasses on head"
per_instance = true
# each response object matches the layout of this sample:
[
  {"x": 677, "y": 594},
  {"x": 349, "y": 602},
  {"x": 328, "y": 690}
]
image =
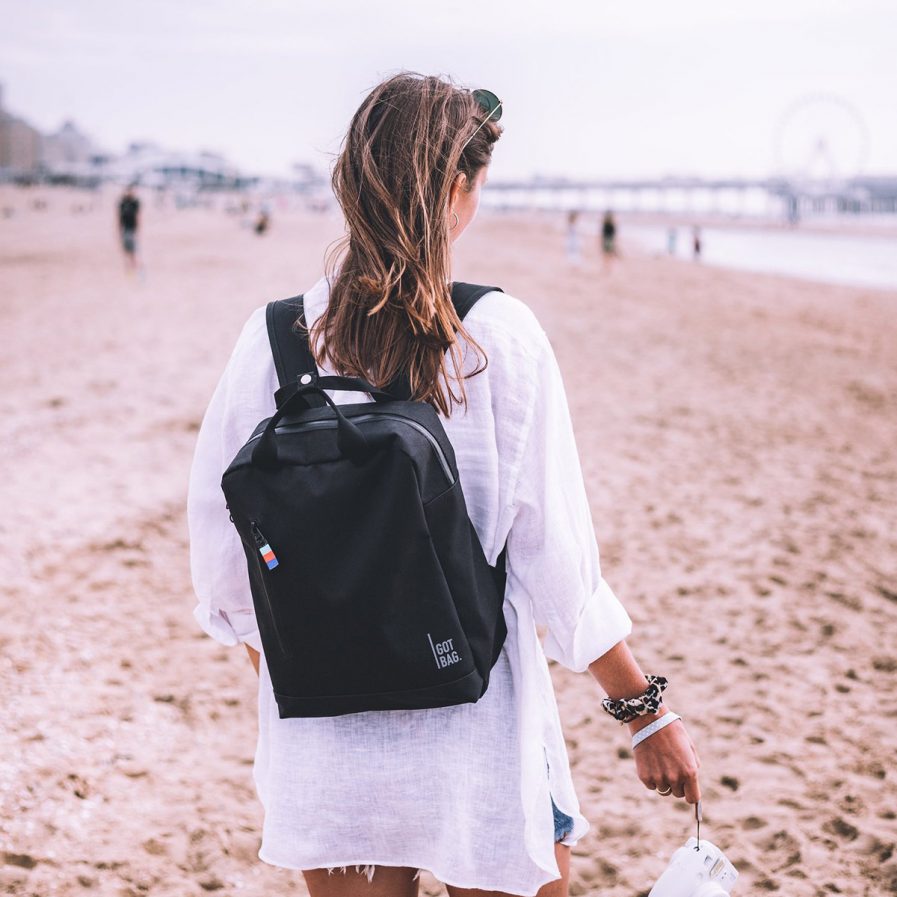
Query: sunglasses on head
[{"x": 490, "y": 104}]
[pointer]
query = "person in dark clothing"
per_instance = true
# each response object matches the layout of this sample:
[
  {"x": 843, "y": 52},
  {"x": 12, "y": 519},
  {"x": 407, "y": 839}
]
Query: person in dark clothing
[
  {"x": 608, "y": 237},
  {"x": 128, "y": 213},
  {"x": 696, "y": 243}
]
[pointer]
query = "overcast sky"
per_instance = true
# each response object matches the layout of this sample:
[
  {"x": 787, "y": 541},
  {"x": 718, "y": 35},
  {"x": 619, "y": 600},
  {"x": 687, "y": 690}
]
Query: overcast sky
[{"x": 590, "y": 88}]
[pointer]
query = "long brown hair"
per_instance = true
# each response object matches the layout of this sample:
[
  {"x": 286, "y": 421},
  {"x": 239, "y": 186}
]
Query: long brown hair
[{"x": 390, "y": 311}]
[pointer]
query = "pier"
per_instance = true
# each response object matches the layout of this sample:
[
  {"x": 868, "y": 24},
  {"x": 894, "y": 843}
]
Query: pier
[{"x": 790, "y": 198}]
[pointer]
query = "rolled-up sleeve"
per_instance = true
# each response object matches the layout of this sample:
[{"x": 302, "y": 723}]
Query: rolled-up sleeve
[
  {"x": 552, "y": 550},
  {"x": 243, "y": 397}
]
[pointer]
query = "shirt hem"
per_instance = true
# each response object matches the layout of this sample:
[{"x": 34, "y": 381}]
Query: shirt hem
[{"x": 514, "y": 888}]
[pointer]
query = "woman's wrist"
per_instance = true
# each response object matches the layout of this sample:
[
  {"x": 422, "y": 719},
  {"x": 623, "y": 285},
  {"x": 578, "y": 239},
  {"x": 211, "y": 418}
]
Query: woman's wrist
[
  {"x": 646, "y": 719},
  {"x": 661, "y": 722},
  {"x": 622, "y": 678},
  {"x": 646, "y": 704}
]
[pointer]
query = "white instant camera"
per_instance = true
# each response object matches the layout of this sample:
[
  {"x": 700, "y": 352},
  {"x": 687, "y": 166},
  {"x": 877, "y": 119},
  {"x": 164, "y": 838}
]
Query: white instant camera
[{"x": 696, "y": 870}]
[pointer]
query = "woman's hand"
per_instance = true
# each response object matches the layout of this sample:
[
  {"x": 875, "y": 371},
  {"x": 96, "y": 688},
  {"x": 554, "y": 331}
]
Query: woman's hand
[{"x": 667, "y": 759}]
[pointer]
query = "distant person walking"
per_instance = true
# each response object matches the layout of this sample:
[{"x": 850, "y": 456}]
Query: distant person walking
[
  {"x": 672, "y": 238},
  {"x": 608, "y": 238},
  {"x": 262, "y": 222},
  {"x": 128, "y": 215},
  {"x": 696, "y": 243},
  {"x": 573, "y": 248}
]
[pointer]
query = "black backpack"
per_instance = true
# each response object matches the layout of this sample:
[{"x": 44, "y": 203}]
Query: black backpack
[{"x": 369, "y": 582}]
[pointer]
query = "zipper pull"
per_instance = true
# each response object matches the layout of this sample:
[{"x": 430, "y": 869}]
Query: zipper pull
[
  {"x": 230, "y": 513},
  {"x": 264, "y": 548}
]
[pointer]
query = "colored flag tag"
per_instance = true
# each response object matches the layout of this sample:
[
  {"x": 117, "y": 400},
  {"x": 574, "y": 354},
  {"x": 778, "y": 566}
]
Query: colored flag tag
[{"x": 268, "y": 556}]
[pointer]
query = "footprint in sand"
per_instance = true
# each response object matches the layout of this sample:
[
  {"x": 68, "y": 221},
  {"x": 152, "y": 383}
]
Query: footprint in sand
[
  {"x": 842, "y": 828},
  {"x": 780, "y": 841},
  {"x": 23, "y": 860},
  {"x": 154, "y": 847}
]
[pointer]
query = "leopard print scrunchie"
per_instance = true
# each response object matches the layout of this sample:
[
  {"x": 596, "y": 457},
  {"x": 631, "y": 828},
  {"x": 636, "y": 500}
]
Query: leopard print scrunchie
[{"x": 627, "y": 709}]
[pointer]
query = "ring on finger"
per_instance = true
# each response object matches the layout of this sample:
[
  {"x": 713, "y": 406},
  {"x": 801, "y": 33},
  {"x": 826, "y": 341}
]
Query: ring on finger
[{"x": 665, "y": 793}]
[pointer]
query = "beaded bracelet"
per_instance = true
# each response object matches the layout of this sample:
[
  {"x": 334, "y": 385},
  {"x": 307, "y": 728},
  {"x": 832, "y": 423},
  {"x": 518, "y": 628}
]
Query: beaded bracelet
[{"x": 627, "y": 709}]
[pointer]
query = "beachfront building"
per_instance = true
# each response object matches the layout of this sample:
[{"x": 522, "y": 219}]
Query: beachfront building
[
  {"x": 150, "y": 165},
  {"x": 68, "y": 150},
  {"x": 20, "y": 145}
]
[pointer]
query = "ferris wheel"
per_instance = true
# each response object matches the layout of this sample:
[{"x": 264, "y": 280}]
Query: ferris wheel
[{"x": 821, "y": 137}]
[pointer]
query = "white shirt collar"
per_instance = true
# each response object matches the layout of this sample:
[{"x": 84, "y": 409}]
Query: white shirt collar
[{"x": 315, "y": 300}]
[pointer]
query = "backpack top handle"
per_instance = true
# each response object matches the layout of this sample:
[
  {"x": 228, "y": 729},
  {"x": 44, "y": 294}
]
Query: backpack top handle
[{"x": 351, "y": 441}]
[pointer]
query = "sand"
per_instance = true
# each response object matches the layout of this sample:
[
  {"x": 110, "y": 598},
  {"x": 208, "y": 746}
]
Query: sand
[{"x": 737, "y": 432}]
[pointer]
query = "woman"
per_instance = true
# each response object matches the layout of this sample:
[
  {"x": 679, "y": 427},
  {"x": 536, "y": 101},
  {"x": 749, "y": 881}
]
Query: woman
[{"x": 478, "y": 794}]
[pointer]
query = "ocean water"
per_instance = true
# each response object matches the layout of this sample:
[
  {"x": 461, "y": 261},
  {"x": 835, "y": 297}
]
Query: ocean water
[
  {"x": 853, "y": 259},
  {"x": 858, "y": 260}
]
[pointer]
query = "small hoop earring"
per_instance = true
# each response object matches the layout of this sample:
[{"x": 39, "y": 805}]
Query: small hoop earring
[{"x": 457, "y": 220}]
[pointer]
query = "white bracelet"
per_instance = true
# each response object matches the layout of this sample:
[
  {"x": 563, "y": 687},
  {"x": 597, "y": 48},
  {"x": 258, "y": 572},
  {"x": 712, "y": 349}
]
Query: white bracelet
[{"x": 656, "y": 726}]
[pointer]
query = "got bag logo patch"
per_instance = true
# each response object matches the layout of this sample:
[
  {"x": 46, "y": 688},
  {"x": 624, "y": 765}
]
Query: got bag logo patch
[{"x": 444, "y": 652}]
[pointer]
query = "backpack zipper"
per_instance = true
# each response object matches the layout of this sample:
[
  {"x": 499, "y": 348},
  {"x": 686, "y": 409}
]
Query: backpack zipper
[
  {"x": 331, "y": 424},
  {"x": 264, "y": 548},
  {"x": 266, "y": 554}
]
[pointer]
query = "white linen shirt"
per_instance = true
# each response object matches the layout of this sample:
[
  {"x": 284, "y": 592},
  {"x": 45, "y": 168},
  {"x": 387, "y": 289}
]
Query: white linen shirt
[{"x": 460, "y": 791}]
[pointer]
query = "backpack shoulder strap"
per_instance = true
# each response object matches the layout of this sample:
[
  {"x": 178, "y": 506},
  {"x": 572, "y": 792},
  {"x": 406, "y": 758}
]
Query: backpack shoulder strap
[
  {"x": 292, "y": 357},
  {"x": 466, "y": 295}
]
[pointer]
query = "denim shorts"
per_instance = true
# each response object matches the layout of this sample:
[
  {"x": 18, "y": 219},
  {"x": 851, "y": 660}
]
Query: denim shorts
[{"x": 563, "y": 824}]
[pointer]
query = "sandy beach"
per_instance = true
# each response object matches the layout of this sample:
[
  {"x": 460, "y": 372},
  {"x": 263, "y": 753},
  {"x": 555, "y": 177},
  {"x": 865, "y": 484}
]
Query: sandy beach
[{"x": 737, "y": 433}]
